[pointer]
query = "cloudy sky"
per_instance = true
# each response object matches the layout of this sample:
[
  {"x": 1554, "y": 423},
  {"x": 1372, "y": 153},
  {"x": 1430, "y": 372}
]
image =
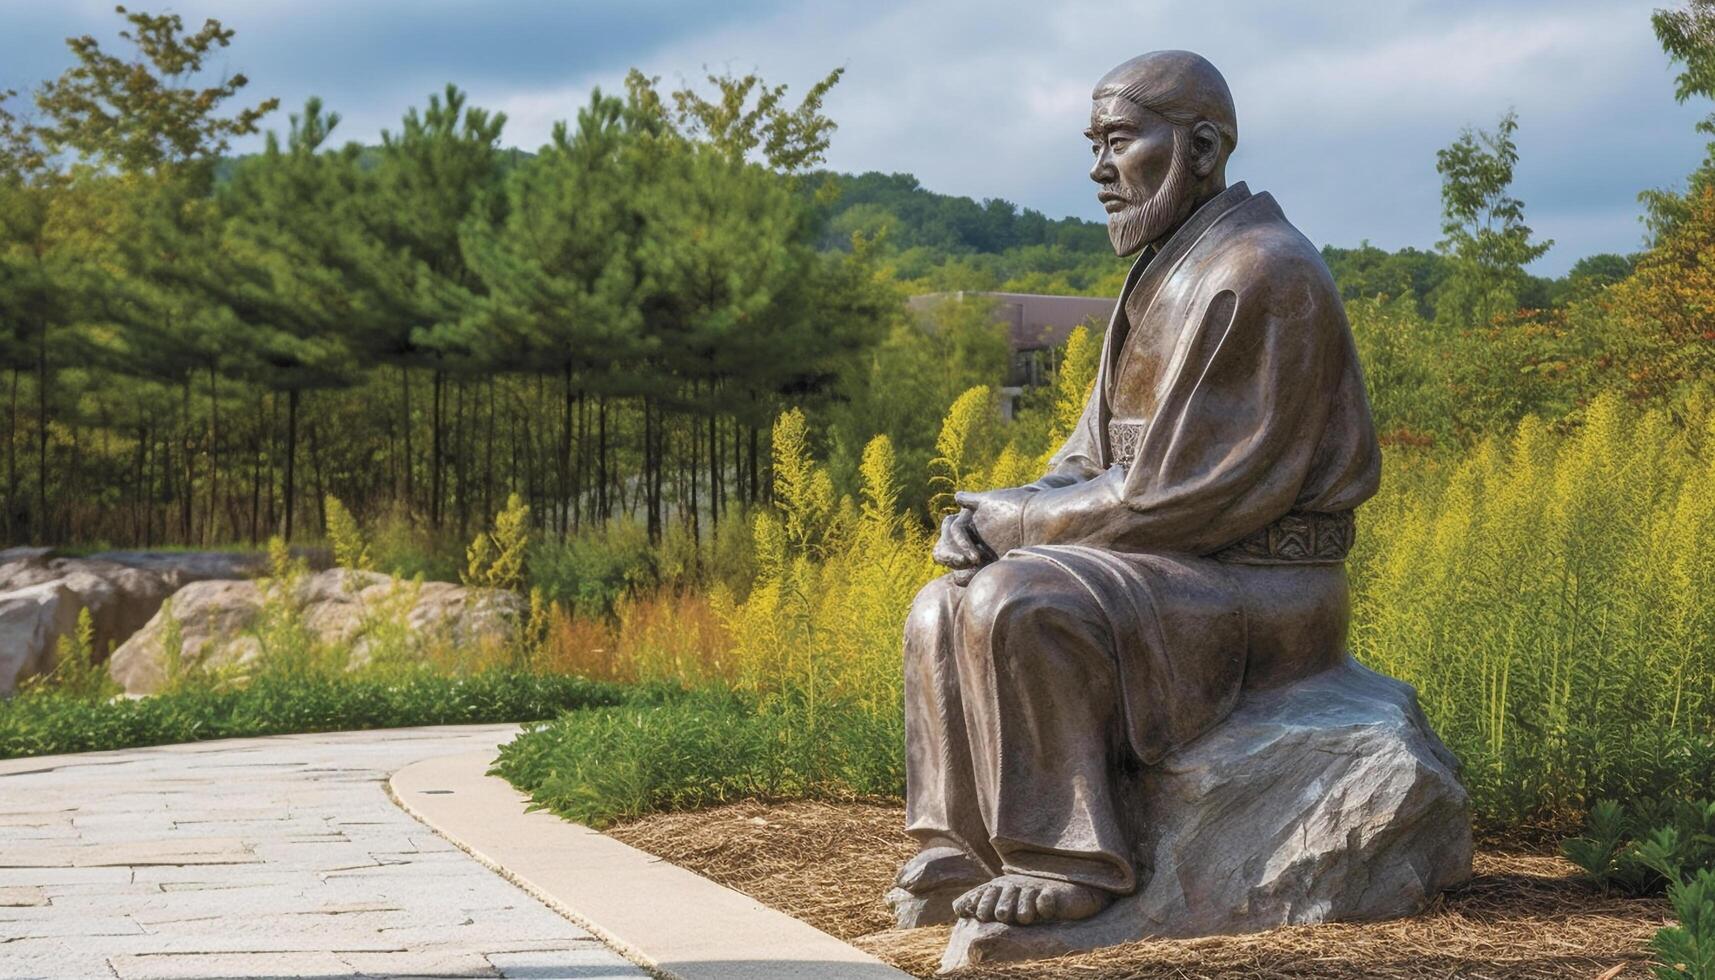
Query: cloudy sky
[{"x": 1341, "y": 103}]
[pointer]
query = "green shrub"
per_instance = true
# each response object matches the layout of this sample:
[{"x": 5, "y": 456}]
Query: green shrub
[
  {"x": 697, "y": 750},
  {"x": 1687, "y": 951},
  {"x": 404, "y": 548},
  {"x": 1642, "y": 849},
  {"x": 48, "y": 722},
  {"x": 589, "y": 573}
]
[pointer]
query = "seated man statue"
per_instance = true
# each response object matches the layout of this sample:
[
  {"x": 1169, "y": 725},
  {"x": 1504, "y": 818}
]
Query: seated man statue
[{"x": 1187, "y": 543}]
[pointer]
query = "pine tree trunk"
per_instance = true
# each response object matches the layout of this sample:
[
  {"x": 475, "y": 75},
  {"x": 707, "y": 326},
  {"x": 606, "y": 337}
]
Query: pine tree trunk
[
  {"x": 488, "y": 456},
  {"x": 435, "y": 450},
  {"x": 461, "y": 460},
  {"x": 582, "y": 457},
  {"x": 12, "y": 463},
  {"x": 601, "y": 459},
  {"x": 213, "y": 450},
  {"x": 652, "y": 519},
  {"x": 256, "y": 472},
  {"x": 187, "y": 446},
  {"x": 562, "y": 506},
  {"x": 714, "y": 473},
  {"x": 139, "y": 492},
  {"x": 693, "y": 463},
  {"x": 755, "y": 489},
  {"x": 272, "y": 418},
  {"x": 148, "y": 490},
  {"x": 316, "y": 473},
  {"x": 290, "y": 491},
  {"x": 405, "y": 418},
  {"x": 40, "y": 524}
]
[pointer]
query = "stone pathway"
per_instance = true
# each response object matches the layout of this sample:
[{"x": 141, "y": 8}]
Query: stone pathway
[{"x": 269, "y": 857}]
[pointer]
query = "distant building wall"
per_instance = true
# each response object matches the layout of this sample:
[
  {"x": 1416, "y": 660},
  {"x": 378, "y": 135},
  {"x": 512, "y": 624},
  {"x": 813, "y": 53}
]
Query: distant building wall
[{"x": 1037, "y": 325}]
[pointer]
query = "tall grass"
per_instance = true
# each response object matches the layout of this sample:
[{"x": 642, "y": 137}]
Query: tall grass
[
  {"x": 1553, "y": 600},
  {"x": 824, "y": 616}
]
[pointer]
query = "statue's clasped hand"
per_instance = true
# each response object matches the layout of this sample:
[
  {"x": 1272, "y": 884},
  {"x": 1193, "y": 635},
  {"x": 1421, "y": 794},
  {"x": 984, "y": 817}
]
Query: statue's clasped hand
[{"x": 984, "y": 528}]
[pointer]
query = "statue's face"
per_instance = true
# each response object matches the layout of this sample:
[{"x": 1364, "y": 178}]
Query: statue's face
[{"x": 1142, "y": 169}]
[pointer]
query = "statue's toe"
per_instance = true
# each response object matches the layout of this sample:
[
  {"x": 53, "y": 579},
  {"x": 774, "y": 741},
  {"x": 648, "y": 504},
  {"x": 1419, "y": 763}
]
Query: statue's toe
[{"x": 1024, "y": 900}]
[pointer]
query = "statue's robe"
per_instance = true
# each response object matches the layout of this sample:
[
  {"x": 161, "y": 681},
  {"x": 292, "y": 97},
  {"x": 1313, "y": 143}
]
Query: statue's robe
[{"x": 1187, "y": 543}]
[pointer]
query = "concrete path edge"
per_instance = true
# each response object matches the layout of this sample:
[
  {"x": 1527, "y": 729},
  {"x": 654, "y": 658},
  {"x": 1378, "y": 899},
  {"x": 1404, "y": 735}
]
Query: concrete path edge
[{"x": 666, "y": 919}]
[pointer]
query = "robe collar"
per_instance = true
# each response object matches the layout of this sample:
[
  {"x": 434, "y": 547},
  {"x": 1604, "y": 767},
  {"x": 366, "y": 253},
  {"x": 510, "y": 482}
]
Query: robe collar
[{"x": 1147, "y": 273}]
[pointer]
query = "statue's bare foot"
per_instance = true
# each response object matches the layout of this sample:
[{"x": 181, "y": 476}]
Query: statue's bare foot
[
  {"x": 940, "y": 866},
  {"x": 1020, "y": 900}
]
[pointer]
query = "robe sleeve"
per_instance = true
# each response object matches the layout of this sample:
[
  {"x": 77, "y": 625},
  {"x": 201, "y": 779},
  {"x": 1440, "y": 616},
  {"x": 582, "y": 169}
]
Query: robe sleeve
[{"x": 1235, "y": 436}]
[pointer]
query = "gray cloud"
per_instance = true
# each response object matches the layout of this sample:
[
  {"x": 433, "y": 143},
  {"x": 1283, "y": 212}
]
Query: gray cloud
[{"x": 1342, "y": 104}]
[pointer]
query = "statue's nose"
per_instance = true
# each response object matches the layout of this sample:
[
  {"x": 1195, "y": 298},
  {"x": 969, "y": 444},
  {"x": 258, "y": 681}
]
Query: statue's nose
[{"x": 1102, "y": 171}]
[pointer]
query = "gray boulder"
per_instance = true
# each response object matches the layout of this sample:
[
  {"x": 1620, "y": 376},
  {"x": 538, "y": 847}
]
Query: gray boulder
[
  {"x": 212, "y": 619},
  {"x": 1327, "y": 800},
  {"x": 368, "y": 613},
  {"x": 181, "y": 568},
  {"x": 120, "y": 599},
  {"x": 32, "y": 619}
]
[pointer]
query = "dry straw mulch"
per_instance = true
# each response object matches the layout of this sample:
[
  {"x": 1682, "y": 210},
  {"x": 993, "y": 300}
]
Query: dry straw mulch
[{"x": 1523, "y": 915}]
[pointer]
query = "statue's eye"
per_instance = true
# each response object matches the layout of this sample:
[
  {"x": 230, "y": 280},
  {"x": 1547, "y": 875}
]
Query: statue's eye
[
  {"x": 1095, "y": 147},
  {"x": 1117, "y": 144}
]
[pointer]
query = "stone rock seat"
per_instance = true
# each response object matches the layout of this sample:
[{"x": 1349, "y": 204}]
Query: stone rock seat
[{"x": 1327, "y": 799}]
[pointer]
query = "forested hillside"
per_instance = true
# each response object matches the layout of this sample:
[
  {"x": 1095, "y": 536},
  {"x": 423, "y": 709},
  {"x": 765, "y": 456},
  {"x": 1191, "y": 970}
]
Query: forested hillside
[{"x": 943, "y": 242}]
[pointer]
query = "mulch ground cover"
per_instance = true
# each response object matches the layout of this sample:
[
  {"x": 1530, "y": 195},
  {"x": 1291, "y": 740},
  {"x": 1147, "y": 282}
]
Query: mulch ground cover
[{"x": 1525, "y": 913}]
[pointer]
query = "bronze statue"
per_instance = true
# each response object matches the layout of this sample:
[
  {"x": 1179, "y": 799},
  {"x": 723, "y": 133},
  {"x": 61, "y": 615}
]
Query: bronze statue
[{"x": 1185, "y": 547}]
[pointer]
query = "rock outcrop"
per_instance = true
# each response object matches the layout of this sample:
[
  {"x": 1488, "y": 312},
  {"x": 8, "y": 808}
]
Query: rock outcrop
[
  {"x": 121, "y": 589},
  {"x": 32, "y": 619},
  {"x": 1327, "y": 800},
  {"x": 372, "y": 613},
  {"x": 120, "y": 598}
]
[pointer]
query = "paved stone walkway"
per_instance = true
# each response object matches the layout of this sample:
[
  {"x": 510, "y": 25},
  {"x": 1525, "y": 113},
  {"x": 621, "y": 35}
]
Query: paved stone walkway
[{"x": 269, "y": 857}]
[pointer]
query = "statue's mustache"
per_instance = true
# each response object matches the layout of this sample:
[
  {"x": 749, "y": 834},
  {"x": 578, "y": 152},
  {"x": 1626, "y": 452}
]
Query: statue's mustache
[{"x": 1118, "y": 192}]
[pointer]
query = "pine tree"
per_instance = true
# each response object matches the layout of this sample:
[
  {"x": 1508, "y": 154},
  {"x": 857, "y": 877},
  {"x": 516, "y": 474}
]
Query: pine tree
[{"x": 440, "y": 169}]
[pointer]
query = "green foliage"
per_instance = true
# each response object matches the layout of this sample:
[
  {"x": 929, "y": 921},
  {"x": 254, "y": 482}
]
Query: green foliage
[
  {"x": 495, "y": 558},
  {"x": 1687, "y": 951},
  {"x": 913, "y": 217},
  {"x": 916, "y": 372},
  {"x": 605, "y": 765},
  {"x": 50, "y": 722},
  {"x": 1368, "y": 272},
  {"x": 1641, "y": 849},
  {"x": 1487, "y": 241},
  {"x": 964, "y": 440},
  {"x": 1488, "y": 582},
  {"x": 134, "y": 113},
  {"x": 788, "y": 140},
  {"x": 284, "y": 640},
  {"x": 1652, "y": 845},
  {"x": 589, "y": 573},
  {"x": 350, "y": 550},
  {"x": 1687, "y": 36}
]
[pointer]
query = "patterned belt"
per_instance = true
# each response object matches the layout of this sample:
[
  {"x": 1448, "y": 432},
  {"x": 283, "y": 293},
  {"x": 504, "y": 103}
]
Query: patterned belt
[
  {"x": 1300, "y": 536},
  {"x": 1123, "y": 440}
]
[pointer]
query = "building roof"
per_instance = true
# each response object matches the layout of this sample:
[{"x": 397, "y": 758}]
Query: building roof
[{"x": 1034, "y": 321}]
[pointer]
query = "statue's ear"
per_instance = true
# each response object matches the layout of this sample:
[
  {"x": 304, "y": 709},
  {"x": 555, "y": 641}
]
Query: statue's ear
[{"x": 1205, "y": 147}]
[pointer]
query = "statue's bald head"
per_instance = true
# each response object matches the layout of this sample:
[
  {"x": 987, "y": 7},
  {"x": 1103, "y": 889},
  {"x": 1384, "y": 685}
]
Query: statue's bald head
[
  {"x": 1181, "y": 86},
  {"x": 1161, "y": 128}
]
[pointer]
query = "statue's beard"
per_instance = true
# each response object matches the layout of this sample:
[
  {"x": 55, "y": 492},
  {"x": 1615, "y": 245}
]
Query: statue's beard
[{"x": 1141, "y": 222}]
